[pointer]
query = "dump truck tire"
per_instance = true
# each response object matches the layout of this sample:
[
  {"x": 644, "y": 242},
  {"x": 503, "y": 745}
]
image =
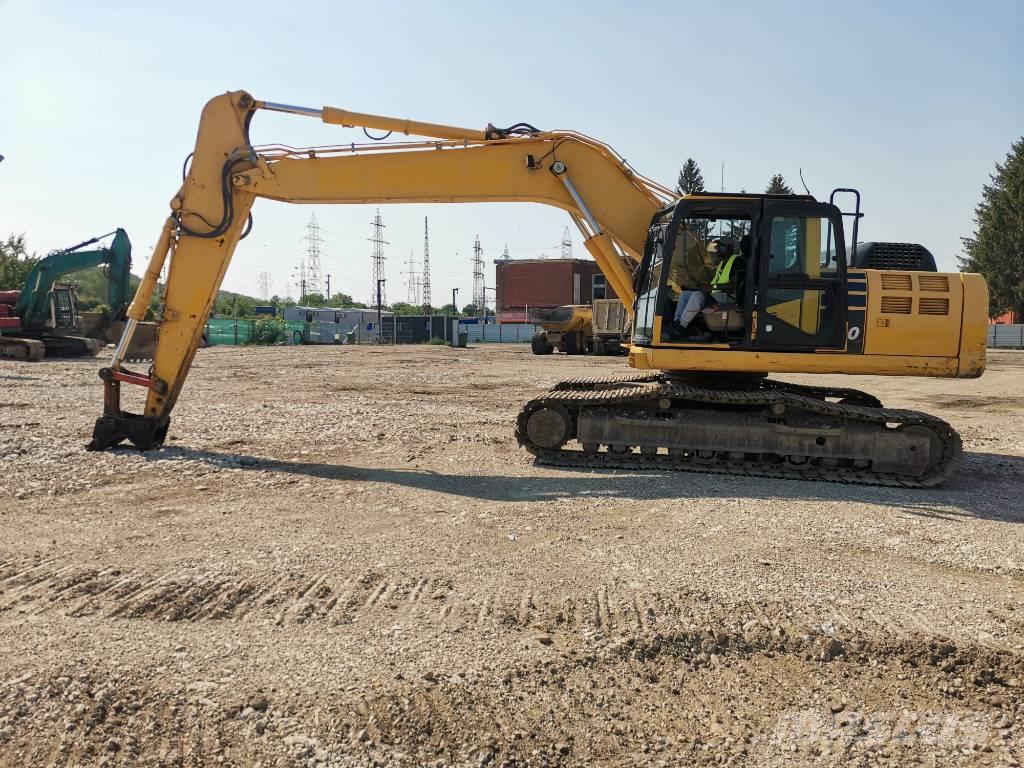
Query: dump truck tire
[
  {"x": 539, "y": 344},
  {"x": 573, "y": 344}
]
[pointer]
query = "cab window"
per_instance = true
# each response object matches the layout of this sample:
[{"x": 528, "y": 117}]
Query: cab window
[{"x": 803, "y": 246}]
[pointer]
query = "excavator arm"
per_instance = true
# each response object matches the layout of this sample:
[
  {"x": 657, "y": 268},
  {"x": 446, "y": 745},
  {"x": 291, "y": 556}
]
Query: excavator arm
[{"x": 610, "y": 203}]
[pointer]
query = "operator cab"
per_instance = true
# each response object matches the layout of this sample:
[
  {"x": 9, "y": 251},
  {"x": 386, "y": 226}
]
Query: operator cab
[
  {"x": 743, "y": 272},
  {"x": 63, "y": 307}
]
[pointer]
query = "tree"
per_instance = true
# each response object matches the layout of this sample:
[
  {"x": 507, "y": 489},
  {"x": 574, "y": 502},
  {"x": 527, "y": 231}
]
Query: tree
[
  {"x": 91, "y": 287},
  {"x": 228, "y": 304},
  {"x": 737, "y": 229},
  {"x": 344, "y": 301},
  {"x": 997, "y": 248},
  {"x": 404, "y": 308},
  {"x": 448, "y": 309},
  {"x": 281, "y": 302},
  {"x": 691, "y": 181},
  {"x": 15, "y": 263},
  {"x": 243, "y": 307},
  {"x": 778, "y": 186},
  {"x": 312, "y": 300},
  {"x": 472, "y": 310}
]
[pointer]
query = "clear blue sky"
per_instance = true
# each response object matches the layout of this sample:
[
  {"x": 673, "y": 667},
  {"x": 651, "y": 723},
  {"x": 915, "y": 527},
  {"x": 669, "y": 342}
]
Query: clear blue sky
[{"x": 911, "y": 102}]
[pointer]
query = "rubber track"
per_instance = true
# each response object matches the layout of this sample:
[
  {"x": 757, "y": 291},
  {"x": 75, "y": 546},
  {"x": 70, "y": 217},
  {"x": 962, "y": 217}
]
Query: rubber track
[{"x": 575, "y": 394}]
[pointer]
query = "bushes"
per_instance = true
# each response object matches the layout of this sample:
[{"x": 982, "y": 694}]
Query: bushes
[
  {"x": 268, "y": 330},
  {"x": 437, "y": 341}
]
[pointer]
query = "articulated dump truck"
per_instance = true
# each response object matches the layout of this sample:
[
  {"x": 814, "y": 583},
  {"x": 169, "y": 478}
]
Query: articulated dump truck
[{"x": 575, "y": 329}]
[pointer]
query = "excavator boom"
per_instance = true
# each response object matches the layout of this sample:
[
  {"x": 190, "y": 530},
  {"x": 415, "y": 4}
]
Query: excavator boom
[{"x": 610, "y": 203}]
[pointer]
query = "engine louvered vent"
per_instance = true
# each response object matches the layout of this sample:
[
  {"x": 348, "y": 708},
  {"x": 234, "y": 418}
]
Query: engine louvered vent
[
  {"x": 934, "y": 283},
  {"x": 912, "y": 257},
  {"x": 896, "y": 305},
  {"x": 931, "y": 306},
  {"x": 896, "y": 282}
]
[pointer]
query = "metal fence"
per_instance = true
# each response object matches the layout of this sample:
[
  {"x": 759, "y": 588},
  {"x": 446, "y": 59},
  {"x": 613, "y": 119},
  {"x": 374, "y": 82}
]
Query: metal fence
[
  {"x": 1011, "y": 336},
  {"x": 227, "y": 330},
  {"x": 509, "y": 333},
  {"x": 410, "y": 330}
]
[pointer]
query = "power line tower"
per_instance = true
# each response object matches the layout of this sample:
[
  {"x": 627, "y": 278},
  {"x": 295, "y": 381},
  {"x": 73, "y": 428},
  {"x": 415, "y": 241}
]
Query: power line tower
[
  {"x": 313, "y": 254},
  {"x": 566, "y": 244},
  {"x": 478, "y": 275},
  {"x": 378, "y": 261},
  {"x": 412, "y": 281},
  {"x": 264, "y": 280},
  {"x": 505, "y": 255},
  {"x": 426, "y": 267}
]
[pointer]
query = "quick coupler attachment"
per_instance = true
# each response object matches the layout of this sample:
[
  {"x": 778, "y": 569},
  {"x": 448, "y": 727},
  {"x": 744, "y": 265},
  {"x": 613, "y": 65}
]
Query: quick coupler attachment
[{"x": 115, "y": 425}]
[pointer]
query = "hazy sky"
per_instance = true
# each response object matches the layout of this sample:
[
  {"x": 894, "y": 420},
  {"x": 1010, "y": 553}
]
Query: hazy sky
[{"x": 911, "y": 102}]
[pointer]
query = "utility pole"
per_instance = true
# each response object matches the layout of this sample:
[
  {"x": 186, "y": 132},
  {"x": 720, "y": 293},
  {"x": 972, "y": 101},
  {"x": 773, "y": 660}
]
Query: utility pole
[
  {"x": 455, "y": 307},
  {"x": 380, "y": 282},
  {"x": 327, "y": 298},
  {"x": 566, "y": 244},
  {"x": 313, "y": 253},
  {"x": 478, "y": 275},
  {"x": 378, "y": 256},
  {"x": 426, "y": 267}
]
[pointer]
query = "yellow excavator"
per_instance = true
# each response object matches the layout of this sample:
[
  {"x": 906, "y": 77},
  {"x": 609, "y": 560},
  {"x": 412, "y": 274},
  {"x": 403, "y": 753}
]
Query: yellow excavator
[{"x": 800, "y": 301}]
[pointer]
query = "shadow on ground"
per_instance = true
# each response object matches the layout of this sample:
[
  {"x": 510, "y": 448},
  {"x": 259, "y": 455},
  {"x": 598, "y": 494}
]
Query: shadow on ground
[{"x": 985, "y": 487}]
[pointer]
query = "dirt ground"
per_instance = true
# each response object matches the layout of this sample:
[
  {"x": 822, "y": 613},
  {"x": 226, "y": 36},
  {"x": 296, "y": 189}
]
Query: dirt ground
[{"x": 343, "y": 558}]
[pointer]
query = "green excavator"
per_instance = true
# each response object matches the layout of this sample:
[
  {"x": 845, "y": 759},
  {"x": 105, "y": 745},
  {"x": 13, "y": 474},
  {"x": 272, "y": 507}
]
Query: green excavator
[{"x": 43, "y": 319}]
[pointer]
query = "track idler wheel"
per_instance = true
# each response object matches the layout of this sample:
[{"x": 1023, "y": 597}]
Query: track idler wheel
[
  {"x": 549, "y": 427},
  {"x": 933, "y": 438}
]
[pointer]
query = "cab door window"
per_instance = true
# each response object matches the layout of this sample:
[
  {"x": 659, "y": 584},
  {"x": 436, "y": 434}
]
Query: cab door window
[
  {"x": 64, "y": 308},
  {"x": 800, "y": 245},
  {"x": 801, "y": 282}
]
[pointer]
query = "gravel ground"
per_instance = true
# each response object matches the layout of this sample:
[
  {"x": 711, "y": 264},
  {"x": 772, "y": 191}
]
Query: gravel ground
[{"x": 343, "y": 558}]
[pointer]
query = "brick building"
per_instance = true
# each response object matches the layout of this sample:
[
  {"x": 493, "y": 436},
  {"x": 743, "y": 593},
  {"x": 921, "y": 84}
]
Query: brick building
[
  {"x": 525, "y": 284},
  {"x": 1007, "y": 318}
]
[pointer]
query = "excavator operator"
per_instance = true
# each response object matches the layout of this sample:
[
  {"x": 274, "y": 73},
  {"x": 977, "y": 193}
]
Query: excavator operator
[
  {"x": 690, "y": 278},
  {"x": 728, "y": 282}
]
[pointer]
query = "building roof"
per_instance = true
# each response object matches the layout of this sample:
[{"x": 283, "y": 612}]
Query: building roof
[{"x": 552, "y": 260}]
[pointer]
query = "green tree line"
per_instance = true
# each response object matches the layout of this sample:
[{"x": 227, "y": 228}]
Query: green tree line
[{"x": 996, "y": 248}]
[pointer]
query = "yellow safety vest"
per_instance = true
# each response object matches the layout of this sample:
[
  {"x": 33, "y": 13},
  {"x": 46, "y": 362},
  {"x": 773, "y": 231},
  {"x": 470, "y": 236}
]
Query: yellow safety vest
[{"x": 724, "y": 273}]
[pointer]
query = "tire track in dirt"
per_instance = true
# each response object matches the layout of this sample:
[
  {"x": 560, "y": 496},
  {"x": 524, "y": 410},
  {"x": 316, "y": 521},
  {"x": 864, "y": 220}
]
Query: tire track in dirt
[
  {"x": 30, "y": 587},
  {"x": 33, "y": 587}
]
